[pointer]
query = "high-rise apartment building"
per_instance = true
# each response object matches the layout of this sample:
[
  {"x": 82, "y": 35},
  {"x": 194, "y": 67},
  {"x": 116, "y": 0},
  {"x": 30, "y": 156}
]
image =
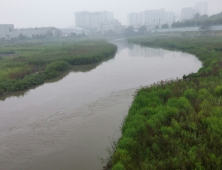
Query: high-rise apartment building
[
  {"x": 135, "y": 19},
  {"x": 200, "y": 8},
  {"x": 158, "y": 17},
  {"x": 187, "y": 13},
  {"x": 6, "y": 31},
  {"x": 93, "y": 21},
  {"x": 151, "y": 18}
]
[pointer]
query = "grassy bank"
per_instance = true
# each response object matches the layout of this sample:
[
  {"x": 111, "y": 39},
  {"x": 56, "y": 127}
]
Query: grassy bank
[
  {"x": 176, "y": 124},
  {"x": 28, "y": 63}
]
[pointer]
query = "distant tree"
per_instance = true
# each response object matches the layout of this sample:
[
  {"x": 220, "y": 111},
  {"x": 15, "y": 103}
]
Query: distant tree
[
  {"x": 21, "y": 37},
  {"x": 165, "y": 26},
  {"x": 204, "y": 17},
  {"x": 73, "y": 34},
  {"x": 142, "y": 30},
  {"x": 203, "y": 21},
  {"x": 129, "y": 31},
  {"x": 58, "y": 33},
  {"x": 216, "y": 16},
  {"x": 156, "y": 27},
  {"x": 110, "y": 33},
  {"x": 83, "y": 34},
  {"x": 175, "y": 25},
  {"x": 49, "y": 33},
  {"x": 196, "y": 16},
  {"x": 205, "y": 25}
]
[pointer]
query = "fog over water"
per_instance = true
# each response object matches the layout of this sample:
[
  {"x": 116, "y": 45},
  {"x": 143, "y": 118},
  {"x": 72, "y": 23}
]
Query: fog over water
[{"x": 60, "y": 13}]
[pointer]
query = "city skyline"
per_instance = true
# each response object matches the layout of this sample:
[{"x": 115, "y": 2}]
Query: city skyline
[
  {"x": 93, "y": 21},
  {"x": 200, "y": 8},
  {"x": 151, "y": 18},
  {"x": 57, "y": 13}
]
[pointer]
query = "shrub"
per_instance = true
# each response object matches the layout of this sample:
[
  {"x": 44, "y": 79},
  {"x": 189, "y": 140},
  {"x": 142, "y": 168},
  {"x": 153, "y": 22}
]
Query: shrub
[
  {"x": 55, "y": 68},
  {"x": 118, "y": 166},
  {"x": 218, "y": 90},
  {"x": 176, "y": 124},
  {"x": 46, "y": 56}
]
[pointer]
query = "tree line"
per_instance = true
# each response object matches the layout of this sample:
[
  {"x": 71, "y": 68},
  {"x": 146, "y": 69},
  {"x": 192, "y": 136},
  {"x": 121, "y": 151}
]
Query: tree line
[{"x": 199, "y": 21}]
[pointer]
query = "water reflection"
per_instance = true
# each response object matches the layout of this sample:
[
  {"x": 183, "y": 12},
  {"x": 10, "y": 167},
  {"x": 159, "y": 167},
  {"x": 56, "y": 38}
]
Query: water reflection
[
  {"x": 146, "y": 52},
  {"x": 140, "y": 51}
]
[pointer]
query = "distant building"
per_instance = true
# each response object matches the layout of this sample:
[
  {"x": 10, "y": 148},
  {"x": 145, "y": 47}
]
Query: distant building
[
  {"x": 95, "y": 21},
  {"x": 200, "y": 8},
  {"x": 36, "y": 32},
  {"x": 158, "y": 17},
  {"x": 113, "y": 25},
  {"x": 135, "y": 19},
  {"x": 187, "y": 13},
  {"x": 151, "y": 18},
  {"x": 6, "y": 31},
  {"x": 65, "y": 32},
  {"x": 148, "y": 52}
]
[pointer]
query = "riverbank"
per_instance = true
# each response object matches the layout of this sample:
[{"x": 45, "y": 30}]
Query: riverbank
[
  {"x": 54, "y": 123},
  {"x": 176, "y": 124},
  {"x": 30, "y": 63}
]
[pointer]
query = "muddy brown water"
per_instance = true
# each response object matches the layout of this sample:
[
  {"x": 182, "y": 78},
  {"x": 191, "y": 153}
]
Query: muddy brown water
[{"x": 65, "y": 124}]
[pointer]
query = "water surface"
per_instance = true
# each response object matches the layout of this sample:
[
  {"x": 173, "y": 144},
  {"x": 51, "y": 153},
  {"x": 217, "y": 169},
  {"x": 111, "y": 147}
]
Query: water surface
[{"x": 66, "y": 123}]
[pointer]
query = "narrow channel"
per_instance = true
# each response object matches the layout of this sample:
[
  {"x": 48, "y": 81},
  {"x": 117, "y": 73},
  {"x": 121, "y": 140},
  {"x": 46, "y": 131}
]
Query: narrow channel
[{"x": 65, "y": 124}]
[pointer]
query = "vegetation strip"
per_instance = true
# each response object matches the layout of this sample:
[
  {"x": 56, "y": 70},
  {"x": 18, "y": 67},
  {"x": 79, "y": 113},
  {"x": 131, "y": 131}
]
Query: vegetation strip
[
  {"x": 33, "y": 62},
  {"x": 176, "y": 124}
]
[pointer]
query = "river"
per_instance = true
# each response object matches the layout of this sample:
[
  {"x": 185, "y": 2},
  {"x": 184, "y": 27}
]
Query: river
[{"x": 66, "y": 123}]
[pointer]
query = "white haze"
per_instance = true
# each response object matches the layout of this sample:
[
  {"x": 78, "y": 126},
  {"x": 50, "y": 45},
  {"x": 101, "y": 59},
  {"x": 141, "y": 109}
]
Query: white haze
[{"x": 60, "y": 13}]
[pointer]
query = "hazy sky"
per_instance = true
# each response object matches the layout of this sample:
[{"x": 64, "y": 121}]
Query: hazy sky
[{"x": 60, "y": 13}]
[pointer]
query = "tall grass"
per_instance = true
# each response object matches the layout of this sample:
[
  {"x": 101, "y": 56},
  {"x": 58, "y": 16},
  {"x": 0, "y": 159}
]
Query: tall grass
[
  {"x": 46, "y": 60},
  {"x": 176, "y": 124}
]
